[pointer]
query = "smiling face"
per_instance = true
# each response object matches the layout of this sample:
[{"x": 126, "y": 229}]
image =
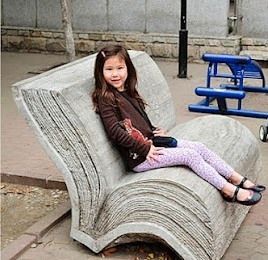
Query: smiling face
[{"x": 115, "y": 72}]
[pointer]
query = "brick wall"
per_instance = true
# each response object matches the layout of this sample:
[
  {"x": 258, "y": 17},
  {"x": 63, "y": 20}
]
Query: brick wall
[{"x": 157, "y": 45}]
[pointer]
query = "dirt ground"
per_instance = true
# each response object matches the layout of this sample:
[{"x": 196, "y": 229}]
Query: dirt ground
[{"x": 22, "y": 206}]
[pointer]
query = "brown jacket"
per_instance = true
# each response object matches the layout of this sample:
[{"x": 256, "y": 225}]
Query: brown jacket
[{"x": 133, "y": 152}]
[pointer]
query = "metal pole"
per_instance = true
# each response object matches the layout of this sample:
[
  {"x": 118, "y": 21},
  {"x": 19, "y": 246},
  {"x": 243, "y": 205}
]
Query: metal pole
[{"x": 183, "y": 42}]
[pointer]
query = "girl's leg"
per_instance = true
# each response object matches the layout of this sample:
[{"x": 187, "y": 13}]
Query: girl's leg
[
  {"x": 209, "y": 156},
  {"x": 216, "y": 162},
  {"x": 188, "y": 157},
  {"x": 192, "y": 159}
]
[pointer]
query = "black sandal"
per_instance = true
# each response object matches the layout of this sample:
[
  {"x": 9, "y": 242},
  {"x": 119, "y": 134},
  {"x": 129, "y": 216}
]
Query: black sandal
[
  {"x": 255, "y": 198},
  {"x": 256, "y": 188}
]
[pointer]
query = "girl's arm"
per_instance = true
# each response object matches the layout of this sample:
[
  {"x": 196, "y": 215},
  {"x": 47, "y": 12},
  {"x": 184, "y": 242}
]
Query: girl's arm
[{"x": 119, "y": 135}]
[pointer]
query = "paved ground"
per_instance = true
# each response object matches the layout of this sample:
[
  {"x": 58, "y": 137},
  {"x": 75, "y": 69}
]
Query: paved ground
[
  {"x": 22, "y": 154},
  {"x": 23, "y": 159}
]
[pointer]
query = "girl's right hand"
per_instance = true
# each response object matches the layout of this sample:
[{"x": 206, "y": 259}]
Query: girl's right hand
[{"x": 153, "y": 153}]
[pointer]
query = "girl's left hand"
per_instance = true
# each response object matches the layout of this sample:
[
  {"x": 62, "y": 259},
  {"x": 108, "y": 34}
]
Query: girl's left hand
[
  {"x": 154, "y": 153},
  {"x": 159, "y": 132}
]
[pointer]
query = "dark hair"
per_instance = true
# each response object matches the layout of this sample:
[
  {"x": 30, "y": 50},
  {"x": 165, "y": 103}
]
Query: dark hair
[{"x": 106, "y": 91}]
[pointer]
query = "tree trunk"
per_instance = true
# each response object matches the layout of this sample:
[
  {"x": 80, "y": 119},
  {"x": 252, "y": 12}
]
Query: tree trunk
[{"x": 67, "y": 24}]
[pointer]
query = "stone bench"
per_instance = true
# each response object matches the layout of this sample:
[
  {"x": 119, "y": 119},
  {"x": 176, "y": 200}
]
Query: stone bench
[{"x": 111, "y": 206}]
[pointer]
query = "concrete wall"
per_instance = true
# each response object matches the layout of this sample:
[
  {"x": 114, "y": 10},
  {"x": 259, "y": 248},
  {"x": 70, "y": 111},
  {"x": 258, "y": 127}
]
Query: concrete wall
[
  {"x": 19, "y": 12},
  {"x": 90, "y": 15},
  {"x": 48, "y": 14},
  {"x": 208, "y": 18},
  {"x": 147, "y": 25},
  {"x": 253, "y": 18}
]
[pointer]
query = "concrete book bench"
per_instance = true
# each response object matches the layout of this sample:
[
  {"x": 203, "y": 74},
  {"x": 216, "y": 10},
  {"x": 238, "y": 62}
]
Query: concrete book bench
[{"x": 111, "y": 206}]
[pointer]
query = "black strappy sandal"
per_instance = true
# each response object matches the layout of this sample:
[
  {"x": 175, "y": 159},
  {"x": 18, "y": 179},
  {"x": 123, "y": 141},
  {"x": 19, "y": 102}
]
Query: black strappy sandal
[
  {"x": 256, "y": 188},
  {"x": 256, "y": 197}
]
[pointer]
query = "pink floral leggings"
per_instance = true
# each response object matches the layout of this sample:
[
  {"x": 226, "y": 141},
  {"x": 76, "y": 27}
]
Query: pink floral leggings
[{"x": 196, "y": 156}]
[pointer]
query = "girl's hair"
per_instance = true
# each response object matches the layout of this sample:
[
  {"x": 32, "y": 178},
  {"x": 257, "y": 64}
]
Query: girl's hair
[{"x": 105, "y": 91}]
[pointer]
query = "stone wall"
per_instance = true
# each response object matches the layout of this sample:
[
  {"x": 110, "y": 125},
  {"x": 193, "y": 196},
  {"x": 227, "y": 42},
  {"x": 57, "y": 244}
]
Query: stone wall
[
  {"x": 157, "y": 45},
  {"x": 256, "y": 48}
]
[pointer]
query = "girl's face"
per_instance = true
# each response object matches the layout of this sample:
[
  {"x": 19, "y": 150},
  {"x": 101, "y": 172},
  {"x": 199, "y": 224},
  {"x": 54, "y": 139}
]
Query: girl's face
[{"x": 115, "y": 72}]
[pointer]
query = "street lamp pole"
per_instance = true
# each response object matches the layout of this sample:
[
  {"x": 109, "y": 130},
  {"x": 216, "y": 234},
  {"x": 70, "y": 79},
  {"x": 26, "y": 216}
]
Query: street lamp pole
[{"x": 183, "y": 42}]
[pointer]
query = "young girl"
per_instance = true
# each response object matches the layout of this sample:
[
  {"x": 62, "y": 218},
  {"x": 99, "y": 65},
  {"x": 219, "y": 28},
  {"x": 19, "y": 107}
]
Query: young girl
[{"x": 116, "y": 99}]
